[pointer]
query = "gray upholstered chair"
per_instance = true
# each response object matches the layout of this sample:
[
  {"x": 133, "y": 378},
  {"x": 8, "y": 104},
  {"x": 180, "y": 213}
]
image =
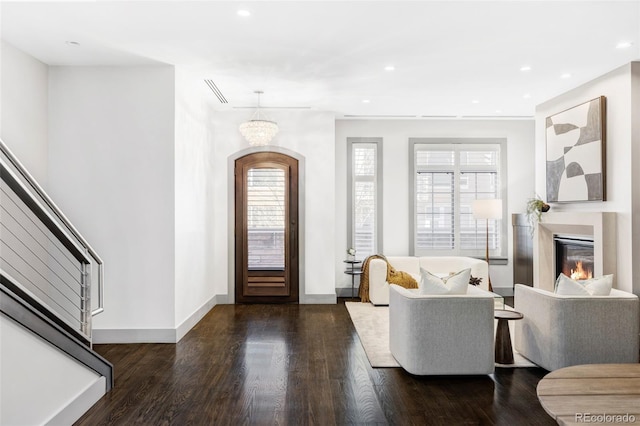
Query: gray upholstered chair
[
  {"x": 558, "y": 331},
  {"x": 442, "y": 334}
]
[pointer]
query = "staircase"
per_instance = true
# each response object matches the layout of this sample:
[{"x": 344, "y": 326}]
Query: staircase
[{"x": 51, "y": 285}]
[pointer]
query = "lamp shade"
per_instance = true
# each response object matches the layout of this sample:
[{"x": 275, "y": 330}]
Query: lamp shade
[{"x": 487, "y": 209}]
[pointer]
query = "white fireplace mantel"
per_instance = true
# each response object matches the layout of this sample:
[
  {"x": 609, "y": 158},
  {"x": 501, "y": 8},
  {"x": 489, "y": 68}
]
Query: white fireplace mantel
[{"x": 601, "y": 226}]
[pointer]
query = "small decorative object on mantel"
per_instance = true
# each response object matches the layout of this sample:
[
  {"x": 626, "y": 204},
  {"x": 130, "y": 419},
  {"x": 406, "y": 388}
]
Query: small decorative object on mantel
[{"x": 535, "y": 208}]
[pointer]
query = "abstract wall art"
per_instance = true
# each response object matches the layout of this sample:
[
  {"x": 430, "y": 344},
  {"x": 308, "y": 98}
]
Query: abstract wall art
[{"x": 576, "y": 153}]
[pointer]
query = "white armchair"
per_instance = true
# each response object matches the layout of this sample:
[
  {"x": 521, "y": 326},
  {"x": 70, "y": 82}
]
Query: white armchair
[
  {"x": 442, "y": 334},
  {"x": 558, "y": 331}
]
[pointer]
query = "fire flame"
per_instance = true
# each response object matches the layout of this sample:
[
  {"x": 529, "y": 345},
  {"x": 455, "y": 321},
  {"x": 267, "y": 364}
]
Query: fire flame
[{"x": 580, "y": 274}]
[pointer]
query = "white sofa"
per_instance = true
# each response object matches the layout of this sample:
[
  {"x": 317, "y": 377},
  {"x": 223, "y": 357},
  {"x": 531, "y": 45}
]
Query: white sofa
[
  {"x": 558, "y": 331},
  {"x": 438, "y": 265},
  {"x": 442, "y": 334}
]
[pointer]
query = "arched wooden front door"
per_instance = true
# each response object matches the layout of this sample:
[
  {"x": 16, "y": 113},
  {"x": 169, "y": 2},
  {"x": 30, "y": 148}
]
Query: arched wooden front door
[{"x": 266, "y": 228}]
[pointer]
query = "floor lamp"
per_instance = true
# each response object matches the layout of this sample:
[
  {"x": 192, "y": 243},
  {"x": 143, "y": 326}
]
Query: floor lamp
[{"x": 487, "y": 209}]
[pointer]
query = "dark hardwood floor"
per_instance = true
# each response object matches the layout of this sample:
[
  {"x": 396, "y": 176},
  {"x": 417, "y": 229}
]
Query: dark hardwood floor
[{"x": 296, "y": 365}]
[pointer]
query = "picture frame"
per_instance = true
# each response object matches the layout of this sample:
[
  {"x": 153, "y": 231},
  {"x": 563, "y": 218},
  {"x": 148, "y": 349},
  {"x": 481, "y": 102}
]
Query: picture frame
[{"x": 575, "y": 153}]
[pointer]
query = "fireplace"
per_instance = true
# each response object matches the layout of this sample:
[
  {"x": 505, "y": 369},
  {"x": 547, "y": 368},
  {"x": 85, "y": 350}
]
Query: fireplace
[
  {"x": 574, "y": 256},
  {"x": 599, "y": 226}
]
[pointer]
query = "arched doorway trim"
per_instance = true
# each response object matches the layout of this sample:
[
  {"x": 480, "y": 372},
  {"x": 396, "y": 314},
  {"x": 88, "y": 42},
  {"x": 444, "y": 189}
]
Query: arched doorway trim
[{"x": 231, "y": 216}]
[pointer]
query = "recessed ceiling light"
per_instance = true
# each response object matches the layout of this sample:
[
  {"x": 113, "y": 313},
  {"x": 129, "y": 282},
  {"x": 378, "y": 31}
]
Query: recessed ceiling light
[
  {"x": 624, "y": 45},
  {"x": 243, "y": 13},
  {"x": 365, "y": 101},
  {"x": 389, "y": 68},
  {"x": 526, "y": 95},
  {"x": 475, "y": 101},
  {"x": 565, "y": 75},
  {"x": 498, "y": 111},
  {"x": 72, "y": 43},
  {"x": 525, "y": 68}
]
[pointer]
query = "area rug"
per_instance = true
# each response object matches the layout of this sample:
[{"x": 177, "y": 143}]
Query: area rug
[{"x": 372, "y": 324}]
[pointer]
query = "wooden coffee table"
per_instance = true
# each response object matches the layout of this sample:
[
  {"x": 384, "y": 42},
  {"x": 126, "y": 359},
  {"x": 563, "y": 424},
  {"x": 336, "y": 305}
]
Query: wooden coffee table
[
  {"x": 594, "y": 393},
  {"x": 504, "y": 350}
]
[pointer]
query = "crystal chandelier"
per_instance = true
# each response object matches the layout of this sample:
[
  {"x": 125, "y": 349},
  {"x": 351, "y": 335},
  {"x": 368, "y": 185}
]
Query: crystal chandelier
[{"x": 258, "y": 131}]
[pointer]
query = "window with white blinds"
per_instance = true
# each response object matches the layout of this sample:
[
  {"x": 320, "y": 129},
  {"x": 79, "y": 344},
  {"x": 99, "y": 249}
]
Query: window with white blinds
[
  {"x": 364, "y": 198},
  {"x": 448, "y": 177},
  {"x": 266, "y": 218}
]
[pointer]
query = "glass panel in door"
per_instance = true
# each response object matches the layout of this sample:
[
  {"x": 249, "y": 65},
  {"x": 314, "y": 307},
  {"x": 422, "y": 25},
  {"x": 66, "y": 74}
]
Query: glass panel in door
[{"x": 266, "y": 218}]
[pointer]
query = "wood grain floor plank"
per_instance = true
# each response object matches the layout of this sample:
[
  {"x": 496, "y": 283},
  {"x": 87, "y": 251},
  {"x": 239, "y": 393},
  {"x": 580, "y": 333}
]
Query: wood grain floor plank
[{"x": 296, "y": 365}]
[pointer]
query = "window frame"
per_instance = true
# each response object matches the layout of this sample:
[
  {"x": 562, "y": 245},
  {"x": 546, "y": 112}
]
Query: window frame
[
  {"x": 456, "y": 144},
  {"x": 352, "y": 142}
]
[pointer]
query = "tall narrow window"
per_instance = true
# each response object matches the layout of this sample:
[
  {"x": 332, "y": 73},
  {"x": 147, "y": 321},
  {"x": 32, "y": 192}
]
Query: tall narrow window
[
  {"x": 435, "y": 179},
  {"x": 479, "y": 178},
  {"x": 364, "y": 206},
  {"x": 447, "y": 178}
]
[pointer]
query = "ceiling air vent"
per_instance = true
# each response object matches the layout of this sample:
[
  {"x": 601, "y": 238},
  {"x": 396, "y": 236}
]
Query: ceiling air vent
[
  {"x": 216, "y": 91},
  {"x": 273, "y": 107}
]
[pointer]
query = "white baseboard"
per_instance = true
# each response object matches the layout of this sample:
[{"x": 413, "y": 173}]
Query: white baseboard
[
  {"x": 156, "y": 335},
  {"x": 170, "y": 335},
  {"x": 346, "y": 291},
  {"x": 80, "y": 404},
  {"x": 132, "y": 335},
  {"x": 222, "y": 299},
  {"x": 190, "y": 322},
  {"x": 318, "y": 299},
  {"x": 304, "y": 299}
]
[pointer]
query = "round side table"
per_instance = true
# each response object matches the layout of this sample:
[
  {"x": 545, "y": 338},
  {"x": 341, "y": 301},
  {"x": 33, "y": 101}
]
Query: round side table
[
  {"x": 504, "y": 350},
  {"x": 353, "y": 272}
]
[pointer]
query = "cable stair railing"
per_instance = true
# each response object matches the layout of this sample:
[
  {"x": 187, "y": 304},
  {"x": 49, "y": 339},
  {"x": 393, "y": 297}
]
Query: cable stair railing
[{"x": 47, "y": 269}]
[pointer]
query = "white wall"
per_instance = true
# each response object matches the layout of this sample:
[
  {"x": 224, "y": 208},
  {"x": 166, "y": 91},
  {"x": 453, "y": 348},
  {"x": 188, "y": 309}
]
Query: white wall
[
  {"x": 395, "y": 157},
  {"x": 23, "y": 109},
  {"x": 37, "y": 378},
  {"x": 38, "y": 382},
  {"x": 310, "y": 134},
  {"x": 616, "y": 87},
  {"x": 194, "y": 203},
  {"x": 111, "y": 170}
]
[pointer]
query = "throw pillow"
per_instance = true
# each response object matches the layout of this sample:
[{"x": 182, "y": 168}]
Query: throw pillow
[
  {"x": 453, "y": 284},
  {"x": 600, "y": 286},
  {"x": 569, "y": 287}
]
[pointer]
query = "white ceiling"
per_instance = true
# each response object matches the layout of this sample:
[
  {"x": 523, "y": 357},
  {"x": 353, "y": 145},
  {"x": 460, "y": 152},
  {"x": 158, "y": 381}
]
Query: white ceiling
[{"x": 331, "y": 55}]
